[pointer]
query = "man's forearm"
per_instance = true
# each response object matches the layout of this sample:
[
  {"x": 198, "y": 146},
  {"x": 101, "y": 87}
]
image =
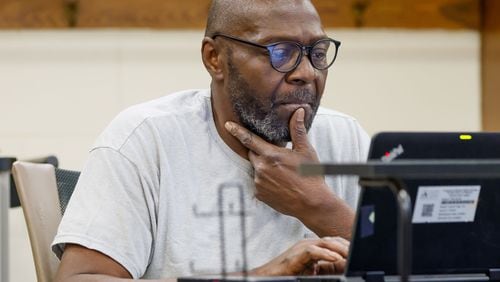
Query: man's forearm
[{"x": 328, "y": 215}]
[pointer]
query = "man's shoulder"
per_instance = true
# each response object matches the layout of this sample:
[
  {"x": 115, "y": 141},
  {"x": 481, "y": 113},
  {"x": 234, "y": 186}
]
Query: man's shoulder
[
  {"x": 171, "y": 107},
  {"x": 334, "y": 126},
  {"x": 174, "y": 103}
]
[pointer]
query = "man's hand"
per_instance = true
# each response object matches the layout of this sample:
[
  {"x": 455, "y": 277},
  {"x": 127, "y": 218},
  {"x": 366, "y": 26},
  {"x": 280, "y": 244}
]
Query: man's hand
[
  {"x": 276, "y": 180},
  {"x": 309, "y": 257},
  {"x": 279, "y": 185}
]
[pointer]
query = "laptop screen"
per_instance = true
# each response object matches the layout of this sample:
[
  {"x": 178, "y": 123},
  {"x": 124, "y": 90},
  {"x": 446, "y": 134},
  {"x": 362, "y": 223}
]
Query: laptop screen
[{"x": 455, "y": 222}]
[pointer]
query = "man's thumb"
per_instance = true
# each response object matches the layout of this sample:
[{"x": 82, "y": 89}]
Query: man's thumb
[{"x": 298, "y": 131}]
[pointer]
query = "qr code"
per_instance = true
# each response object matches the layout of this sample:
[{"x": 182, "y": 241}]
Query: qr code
[{"x": 427, "y": 210}]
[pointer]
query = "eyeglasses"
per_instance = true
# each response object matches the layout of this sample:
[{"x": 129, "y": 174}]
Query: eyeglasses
[{"x": 285, "y": 56}]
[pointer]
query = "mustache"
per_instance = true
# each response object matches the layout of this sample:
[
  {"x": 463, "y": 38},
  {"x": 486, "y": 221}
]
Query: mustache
[{"x": 299, "y": 96}]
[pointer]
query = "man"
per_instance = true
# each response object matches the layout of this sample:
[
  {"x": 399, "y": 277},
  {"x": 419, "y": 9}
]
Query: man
[{"x": 143, "y": 205}]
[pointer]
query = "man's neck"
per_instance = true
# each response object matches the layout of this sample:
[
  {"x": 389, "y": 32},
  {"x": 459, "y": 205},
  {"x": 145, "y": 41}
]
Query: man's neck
[{"x": 220, "y": 119}]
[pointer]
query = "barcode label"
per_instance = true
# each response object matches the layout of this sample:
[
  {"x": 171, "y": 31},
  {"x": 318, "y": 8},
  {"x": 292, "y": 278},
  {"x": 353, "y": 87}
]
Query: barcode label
[
  {"x": 427, "y": 210},
  {"x": 457, "y": 202},
  {"x": 446, "y": 203}
]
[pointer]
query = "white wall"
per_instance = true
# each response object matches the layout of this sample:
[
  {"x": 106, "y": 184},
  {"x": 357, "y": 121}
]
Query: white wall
[
  {"x": 408, "y": 80},
  {"x": 59, "y": 89}
]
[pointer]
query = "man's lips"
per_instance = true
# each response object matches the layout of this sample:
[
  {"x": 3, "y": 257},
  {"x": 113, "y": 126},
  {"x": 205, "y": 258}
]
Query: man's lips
[
  {"x": 295, "y": 101},
  {"x": 289, "y": 108},
  {"x": 298, "y": 105},
  {"x": 294, "y": 104}
]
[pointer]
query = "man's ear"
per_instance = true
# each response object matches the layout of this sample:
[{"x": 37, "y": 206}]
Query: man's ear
[{"x": 212, "y": 58}]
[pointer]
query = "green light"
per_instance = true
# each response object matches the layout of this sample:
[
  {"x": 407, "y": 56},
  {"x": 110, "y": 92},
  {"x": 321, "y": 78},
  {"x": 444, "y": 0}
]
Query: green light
[{"x": 465, "y": 137}]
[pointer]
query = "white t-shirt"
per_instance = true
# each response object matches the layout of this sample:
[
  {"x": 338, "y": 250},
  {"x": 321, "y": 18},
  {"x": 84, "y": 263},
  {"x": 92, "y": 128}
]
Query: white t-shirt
[{"x": 148, "y": 194}]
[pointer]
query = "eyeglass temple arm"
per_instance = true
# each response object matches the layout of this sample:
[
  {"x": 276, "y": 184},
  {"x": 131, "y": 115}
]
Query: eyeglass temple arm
[{"x": 239, "y": 40}]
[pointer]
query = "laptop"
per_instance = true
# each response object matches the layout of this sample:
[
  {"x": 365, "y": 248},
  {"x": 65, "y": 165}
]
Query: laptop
[
  {"x": 453, "y": 245},
  {"x": 455, "y": 222}
]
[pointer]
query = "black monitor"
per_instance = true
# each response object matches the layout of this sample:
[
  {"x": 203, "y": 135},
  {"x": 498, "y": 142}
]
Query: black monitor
[{"x": 455, "y": 222}]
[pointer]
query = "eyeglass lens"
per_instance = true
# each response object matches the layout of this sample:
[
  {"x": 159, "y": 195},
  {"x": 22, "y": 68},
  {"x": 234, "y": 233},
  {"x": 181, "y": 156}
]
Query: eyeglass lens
[{"x": 284, "y": 56}]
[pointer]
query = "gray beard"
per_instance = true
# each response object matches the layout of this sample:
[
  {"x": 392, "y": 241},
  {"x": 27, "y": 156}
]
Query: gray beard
[{"x": 260, "y": 118}]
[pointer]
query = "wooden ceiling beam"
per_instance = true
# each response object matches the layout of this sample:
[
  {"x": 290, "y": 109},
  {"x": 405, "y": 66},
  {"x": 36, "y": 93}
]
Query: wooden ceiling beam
[{"x": 191, "y": 14}]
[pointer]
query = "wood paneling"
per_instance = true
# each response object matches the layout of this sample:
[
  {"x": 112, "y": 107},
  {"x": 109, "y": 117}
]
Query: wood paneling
[
  {"x": 447, "y": 14},
  {"x": 33, "y": 14},
  {"x": 143, "y": 13},
  {"x": 490, "y": 65},
  {"x": 417, "y": 14}
]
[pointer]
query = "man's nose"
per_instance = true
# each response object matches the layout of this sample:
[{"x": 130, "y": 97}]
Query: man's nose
[{"x": 304, "y": 73}]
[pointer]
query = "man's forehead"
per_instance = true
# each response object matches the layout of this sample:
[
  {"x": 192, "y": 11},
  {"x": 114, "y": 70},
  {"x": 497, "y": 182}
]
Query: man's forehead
[
  {"x": 272, "y": 8},
  {"x": 280, "y": 19}
]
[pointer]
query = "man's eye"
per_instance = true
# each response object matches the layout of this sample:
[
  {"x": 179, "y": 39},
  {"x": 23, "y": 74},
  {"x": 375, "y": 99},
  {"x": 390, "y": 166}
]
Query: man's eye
[
  {"x": 281, "y": 53},
  {"x": 280, "y": 56},
  {"x": 319, "y": 54}
]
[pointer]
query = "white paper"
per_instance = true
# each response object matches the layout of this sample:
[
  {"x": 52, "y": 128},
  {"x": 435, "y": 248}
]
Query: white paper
[{"x": 440, "y": 204}]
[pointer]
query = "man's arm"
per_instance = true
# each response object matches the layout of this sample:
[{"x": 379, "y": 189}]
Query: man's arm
[
  {"x": 305, "y": 257},
  {"x": 81, "y": 264},
  {"x": 279, "y": 185}
]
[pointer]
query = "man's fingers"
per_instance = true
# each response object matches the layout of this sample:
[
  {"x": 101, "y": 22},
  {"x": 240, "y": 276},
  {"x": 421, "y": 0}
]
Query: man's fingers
[
  {"x": 338, "y": 239},
  {"x": 298, "y": 131},
  {"x": 327, "y": 261},
  {"x": 317, "y": 253},
  {"x": 247, "y": 138},
  {"x": 339, "y": 266},
  {"x": 307, "y": 256},
  {"x": 335, "y": 244},
  {"x": 324, "y": 267}
]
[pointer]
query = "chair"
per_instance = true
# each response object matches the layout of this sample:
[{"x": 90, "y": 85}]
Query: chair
[
  {"x": 44, "y": 192},
  {"x": 14, "y": 198},
  {"x": 5, "y": 166}
]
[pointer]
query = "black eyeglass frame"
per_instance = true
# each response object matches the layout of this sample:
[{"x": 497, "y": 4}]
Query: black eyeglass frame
[{"x": 303, "y": 48}]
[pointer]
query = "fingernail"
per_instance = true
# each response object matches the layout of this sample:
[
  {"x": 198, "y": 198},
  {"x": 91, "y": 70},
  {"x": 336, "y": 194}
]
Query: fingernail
[
  {"x": 300, "y": 115},
  {"x": 228, "y": 126}
]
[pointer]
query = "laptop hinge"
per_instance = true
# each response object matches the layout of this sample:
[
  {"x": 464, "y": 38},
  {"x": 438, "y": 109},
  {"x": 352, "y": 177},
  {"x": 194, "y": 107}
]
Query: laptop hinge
[
  {"x": 494, "y": 274},
  {"x": 374, "y": 276}
]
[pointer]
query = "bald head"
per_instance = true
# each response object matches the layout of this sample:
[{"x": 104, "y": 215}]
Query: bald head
[
  {"x": 235, "y": 16},
  {"x": 223, "y": 15}
]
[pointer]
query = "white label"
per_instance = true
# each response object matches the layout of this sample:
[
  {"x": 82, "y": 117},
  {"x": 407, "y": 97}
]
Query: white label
[{"x": 436, "y": 204}]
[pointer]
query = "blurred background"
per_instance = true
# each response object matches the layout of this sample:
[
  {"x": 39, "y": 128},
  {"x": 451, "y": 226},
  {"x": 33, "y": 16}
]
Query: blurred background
[{"x": 67, "y": 67}]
